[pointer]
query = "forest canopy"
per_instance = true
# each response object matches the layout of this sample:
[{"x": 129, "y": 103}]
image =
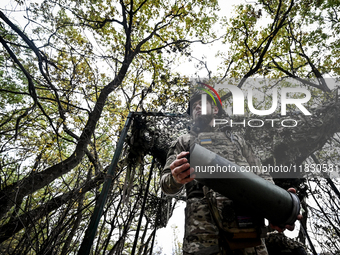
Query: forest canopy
[{"x": 72, "y": 71}]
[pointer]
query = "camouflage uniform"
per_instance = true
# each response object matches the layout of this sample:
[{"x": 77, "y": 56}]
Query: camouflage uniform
[
  {"x": 278, "y": 243},
  {"x": 201, "y": 233}
]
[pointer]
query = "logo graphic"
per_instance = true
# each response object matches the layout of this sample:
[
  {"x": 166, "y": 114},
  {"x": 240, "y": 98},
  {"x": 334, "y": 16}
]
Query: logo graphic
[
  {"x": 279, "y": 98},
  {"x": 204, "y": 97},
  {"x": 238, "y": 99}
]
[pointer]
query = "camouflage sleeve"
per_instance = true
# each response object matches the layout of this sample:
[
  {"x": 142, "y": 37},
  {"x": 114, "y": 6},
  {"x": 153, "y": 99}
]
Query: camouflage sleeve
[
  {"x": 169, "y": 186},
  {"x": 252, "y": 159}
]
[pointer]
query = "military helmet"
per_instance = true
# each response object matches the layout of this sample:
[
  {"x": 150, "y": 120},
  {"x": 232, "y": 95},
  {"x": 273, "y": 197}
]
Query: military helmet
[{"x": 196, "y": 95}]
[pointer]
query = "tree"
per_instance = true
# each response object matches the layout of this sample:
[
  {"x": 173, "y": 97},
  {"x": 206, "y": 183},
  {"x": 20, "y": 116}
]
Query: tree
[
  {"x": 294, "y": 40},
  {"x": 177, "y": 245},
  {"x": 61, "y": 118},
  {"x": 288, "y": 42},
  {"x": 74, "y": 69}
]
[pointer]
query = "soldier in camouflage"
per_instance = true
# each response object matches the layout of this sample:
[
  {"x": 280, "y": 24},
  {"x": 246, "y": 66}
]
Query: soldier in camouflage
[{"x": 203, "y": 228}]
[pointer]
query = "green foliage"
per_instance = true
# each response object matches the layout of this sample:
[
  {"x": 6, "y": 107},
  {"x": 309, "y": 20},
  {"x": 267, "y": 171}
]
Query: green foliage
[
  {"x": 301, "y": 38},
  {"x": 72, "y": 71},
  {"x": 70, "y": 74}
]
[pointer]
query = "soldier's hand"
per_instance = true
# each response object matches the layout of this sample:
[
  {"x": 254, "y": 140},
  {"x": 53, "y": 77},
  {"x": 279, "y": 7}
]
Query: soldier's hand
[
  {"x": 289, "y": 227},
  {"x": 180, "y": 169}
]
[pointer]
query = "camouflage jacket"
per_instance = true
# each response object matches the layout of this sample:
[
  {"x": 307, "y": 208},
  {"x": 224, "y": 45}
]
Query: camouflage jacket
[
  {"x": 227, "y": 145},
  {"x": 201, "y": 233}
]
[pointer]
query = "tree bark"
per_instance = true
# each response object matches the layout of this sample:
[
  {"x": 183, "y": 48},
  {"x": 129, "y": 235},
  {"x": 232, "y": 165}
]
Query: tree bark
[{"x": 29, "y": 218}]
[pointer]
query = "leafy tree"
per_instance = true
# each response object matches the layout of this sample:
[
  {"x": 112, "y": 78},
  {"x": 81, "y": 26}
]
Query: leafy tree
[
  {"x": 72, "y": 71},
  {"x": 280, "y": 41},
  {"x": 285, "y": 40},
  {"x": 177, "y": 245},
  {"x": 70, "y": 75}
]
